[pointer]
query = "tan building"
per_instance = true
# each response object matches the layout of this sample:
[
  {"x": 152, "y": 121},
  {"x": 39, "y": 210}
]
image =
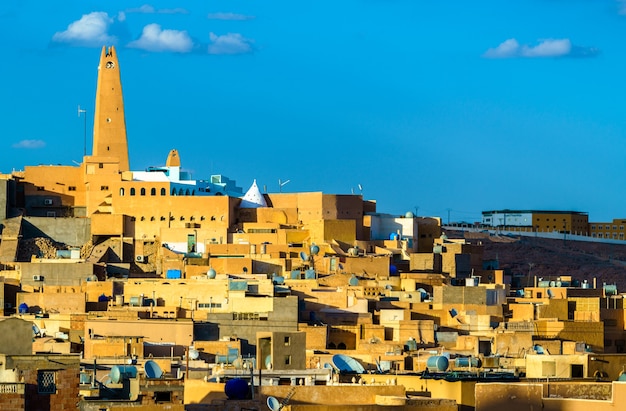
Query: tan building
[
  {"x": 570, "y": 222},
  {"x": 608, "y": 230}
]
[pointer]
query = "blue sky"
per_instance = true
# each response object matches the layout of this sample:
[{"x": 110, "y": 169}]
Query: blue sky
[{"x": 450, "y": 108}]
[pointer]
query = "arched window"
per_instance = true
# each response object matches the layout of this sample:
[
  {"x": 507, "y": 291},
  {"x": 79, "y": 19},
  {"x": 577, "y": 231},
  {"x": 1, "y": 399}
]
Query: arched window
[
  {"x": 341, "y": 346},
  {"x": 173, "y": 191},
  {"x": 122, "y": 192},
  {"x": 187, "y": 192},
  {"x": 153, "y": 191},
  {"x": 143, "y": 191},
  {"x": 163, "y": 191},
  {"x": 181, "y": 192},
  {"x": 193, "y": 193},
  {"x": 132, "y": 191}
]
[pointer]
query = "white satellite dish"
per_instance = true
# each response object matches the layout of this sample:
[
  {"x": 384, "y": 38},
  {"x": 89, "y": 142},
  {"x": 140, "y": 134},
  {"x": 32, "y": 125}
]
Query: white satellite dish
[{"x": 273, "y": 404}]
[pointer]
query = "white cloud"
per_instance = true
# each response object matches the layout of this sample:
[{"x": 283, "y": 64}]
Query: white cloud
[
  {"x": 546, "y": 48},
  {"x": 508, "y": 48},
  {"x": 148, "y": 9},
  {"x": 30, "y": 144},
  {"x": 229, "y": 16},
  {"x": 231, "y": 43},
  {"x": 153, "y": 38},
  {"x": 91, "y": 29}
]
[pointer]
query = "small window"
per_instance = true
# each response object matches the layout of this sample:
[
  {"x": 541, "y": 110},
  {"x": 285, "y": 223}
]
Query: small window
[
  {"x": 143, "y": 191},
  {"x": 163, "y": 191},
  {"x": 46, "y": 382},
  {"x": 122, "y": 192},
  {"x": 100, "y": 165},
  {"x": 287, "y": 341},
  {"x": 153, "y": 191},
  {"x": 132, "y": 191},
  {"x": 71, "y": 188},
  {"x": 287, "y": 359},
  {"x": 104, "y": 188},
  {"x": 39, "y": 188}
]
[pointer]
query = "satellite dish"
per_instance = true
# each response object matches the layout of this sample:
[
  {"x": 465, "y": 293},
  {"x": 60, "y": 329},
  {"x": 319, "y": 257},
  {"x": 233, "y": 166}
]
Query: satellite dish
[
  {"x": 314, "y": 249},
  {"x": 152, "y": 369},
  {"x": 347, "y": 364},
  {"x": 303, "y": 256},
  {"x": 273, "y": 404}
]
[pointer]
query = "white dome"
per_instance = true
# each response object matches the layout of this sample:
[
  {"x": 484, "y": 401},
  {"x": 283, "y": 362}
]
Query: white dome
[{"x": 253, "y": 198}]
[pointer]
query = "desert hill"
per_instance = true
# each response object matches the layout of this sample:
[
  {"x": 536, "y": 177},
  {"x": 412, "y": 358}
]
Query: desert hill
[{"x": 549, "y": 258}]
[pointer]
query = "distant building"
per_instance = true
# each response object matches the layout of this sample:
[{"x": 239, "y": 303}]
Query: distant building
[
  {"x": 613, "y": 230},
  {"x": 570, "y": 222}
]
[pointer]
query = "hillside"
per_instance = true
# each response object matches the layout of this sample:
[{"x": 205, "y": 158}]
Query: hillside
[{"x": 550, "y": 259}]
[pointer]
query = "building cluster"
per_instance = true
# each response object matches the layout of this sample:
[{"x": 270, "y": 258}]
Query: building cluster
[
  {"x": 151, "y": 290},
  {"x": 564, "y": 222}
]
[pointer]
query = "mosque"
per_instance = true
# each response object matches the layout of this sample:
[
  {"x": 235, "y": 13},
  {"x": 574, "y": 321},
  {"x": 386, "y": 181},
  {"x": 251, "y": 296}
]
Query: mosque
[{"x": 141, "y": 210}]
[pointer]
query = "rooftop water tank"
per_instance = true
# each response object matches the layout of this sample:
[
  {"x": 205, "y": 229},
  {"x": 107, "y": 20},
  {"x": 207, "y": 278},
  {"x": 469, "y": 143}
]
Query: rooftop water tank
[
  {"x": 236, "y": 389},
  {"x": 211, "y": 273},
  {"x": 121, "y": 372},
  {"x": 22, "y": 308},
  {"x": 438, "y": 363},
  {"x": 173, "y": 274}
]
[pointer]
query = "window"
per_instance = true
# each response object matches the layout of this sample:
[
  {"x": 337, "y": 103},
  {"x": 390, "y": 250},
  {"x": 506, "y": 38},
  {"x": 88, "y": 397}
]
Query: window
[
  {"x": 122, "y": 192},
  {"x": 614, "y": 227},
  {"x": 287, "y": 359},
  {"x": 209, "y": 305},
  {"x": 104, "y": 188},
  {"x": 593, "y": 227},
  {"x": 163, "y": 191},
  {"x": 287, "y": 341},
  {"x": 71, "y": 188},
  {"x": 39, "y": 188},
  {"x": 548, "y": 368},
  {"x": 153, "y": 191},
  {"x": 143, "y": 191},
  {"x": 46, "y": 382},
  {"x": 100, "y": 165},
  {"x": 132, "y": 191}
]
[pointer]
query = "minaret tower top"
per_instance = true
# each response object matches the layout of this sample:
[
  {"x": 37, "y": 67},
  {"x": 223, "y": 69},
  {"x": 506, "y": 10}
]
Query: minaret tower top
[{"x": 109, "y": 132}]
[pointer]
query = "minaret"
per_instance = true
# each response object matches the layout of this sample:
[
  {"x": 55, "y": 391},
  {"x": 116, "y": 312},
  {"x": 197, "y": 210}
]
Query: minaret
[{"x": 109, "y": 131}]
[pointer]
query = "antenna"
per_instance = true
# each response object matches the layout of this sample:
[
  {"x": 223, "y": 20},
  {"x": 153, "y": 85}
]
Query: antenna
[
  {"x": 80, "y": 110},
  {"x": 281, "y": 184}
]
